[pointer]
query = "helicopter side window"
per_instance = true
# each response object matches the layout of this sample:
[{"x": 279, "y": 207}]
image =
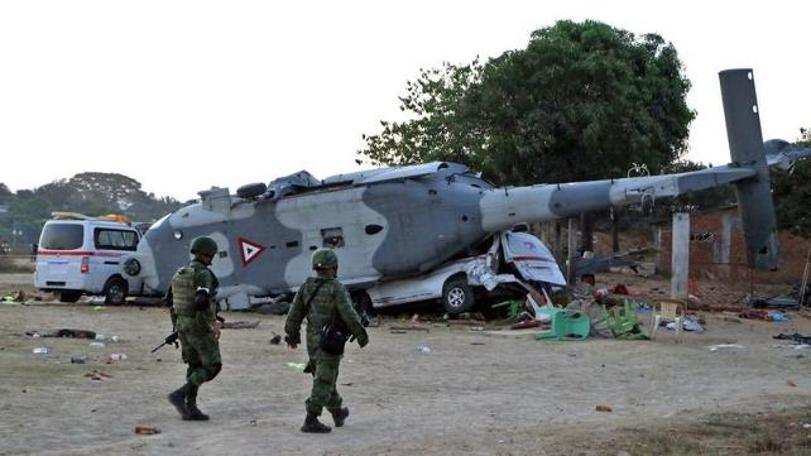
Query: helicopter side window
[{"x": 333, "y": 237}]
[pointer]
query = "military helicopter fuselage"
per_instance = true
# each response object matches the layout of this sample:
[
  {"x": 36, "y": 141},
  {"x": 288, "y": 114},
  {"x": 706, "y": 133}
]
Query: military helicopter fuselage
[{"x": 390, "y": 223}]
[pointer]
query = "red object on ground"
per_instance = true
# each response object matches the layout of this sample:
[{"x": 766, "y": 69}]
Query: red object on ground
[
  {"x": 526, "y": 324},
  {"x": 620, "y": 289},
  {"x": 146, "y": 430}
]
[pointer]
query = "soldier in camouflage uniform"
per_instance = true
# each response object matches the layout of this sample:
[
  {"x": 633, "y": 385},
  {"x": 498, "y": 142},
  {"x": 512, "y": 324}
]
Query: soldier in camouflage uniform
[
  {"x": 194, "y": 318},
  {"x": 328, "y": 302}
]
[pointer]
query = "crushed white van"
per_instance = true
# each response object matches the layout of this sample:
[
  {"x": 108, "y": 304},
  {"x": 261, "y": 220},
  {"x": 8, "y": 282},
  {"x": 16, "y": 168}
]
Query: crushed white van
[{"x": 504, "y": 264}]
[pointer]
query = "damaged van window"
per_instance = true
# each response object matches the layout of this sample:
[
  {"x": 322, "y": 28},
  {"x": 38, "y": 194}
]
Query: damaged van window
[{"x": 333, "y": 237}]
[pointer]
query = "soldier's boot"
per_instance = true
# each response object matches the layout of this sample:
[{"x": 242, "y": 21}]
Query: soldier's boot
[
  {"x": 339, "y": 416},
  {"x": 178, "y": 399},
  {"x": 195, "y": 414},
  {"x": 312, "y": 425}
]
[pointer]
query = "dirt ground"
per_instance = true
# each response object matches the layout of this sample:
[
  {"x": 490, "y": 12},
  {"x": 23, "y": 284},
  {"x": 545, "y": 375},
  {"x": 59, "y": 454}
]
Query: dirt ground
[{"x": 474, "y": 393}]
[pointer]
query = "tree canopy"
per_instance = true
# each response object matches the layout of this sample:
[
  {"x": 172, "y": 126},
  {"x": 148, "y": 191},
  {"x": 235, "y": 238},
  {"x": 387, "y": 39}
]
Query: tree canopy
[{"x": 582, "y": 101}]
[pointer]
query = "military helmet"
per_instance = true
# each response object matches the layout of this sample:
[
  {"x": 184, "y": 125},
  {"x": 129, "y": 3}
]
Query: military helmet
[
  {"x": 325, "y": 259},
  {"x": 204, "y": 245}
]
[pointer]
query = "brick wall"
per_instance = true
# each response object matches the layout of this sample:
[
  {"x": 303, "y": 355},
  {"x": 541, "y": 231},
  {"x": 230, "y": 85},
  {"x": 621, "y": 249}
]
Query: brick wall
[{"x": 711, "y": 259}]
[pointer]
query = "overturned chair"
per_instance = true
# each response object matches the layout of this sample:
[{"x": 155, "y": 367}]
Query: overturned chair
[{"x": 567, "y": 324}]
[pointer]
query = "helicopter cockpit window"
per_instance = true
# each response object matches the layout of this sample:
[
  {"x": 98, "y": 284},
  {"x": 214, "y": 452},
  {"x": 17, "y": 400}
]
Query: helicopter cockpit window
[{"x": 333, "y": 237}]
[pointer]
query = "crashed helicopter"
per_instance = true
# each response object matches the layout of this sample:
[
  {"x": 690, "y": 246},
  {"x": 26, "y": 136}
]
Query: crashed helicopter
[{"x": 390, "y": 223}]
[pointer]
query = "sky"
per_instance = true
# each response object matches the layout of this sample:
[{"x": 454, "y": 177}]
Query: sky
[{"x": 186, "y": 95}]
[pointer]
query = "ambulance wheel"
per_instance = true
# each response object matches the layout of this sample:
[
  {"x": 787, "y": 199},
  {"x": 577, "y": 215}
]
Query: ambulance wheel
[
  {"x": 115, "y": 291},
  {"x": 69, "y": 296},
  {"x": 457, "y": 296}
]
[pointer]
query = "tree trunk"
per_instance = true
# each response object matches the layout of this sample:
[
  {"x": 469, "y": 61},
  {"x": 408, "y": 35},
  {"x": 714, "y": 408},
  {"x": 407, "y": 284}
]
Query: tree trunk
[
  {"x": 615, "y": 230},
  {"x": 586, "y": 232}
]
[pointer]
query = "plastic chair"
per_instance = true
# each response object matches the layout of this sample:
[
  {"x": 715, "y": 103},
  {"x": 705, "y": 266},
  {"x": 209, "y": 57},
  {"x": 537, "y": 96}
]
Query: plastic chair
[
  {"x": 569, "y": 324},
  {"x": 623, "y": 320},
  {"x": 669, "y": 309}
]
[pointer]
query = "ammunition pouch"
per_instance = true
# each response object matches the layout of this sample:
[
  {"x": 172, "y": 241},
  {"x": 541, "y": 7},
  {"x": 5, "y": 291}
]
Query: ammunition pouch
[{"x": 333, "y": 339}]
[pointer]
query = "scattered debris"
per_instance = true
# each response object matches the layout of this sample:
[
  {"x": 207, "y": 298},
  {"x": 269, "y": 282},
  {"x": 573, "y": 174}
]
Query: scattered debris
[
  {"x": 686, "y": 324},
  {"x": 526, "y": 324},
  {"x": 41, "y": 351},
  {"x": 252, "y": 422},
  {"x": 398, "y": 332},
  {"x": 97, "y": 375},
  {"x": 297, "y": 366},
  {"x": 791, "y": 383},
  {"x": 117, "y": 357},
  {"x": 347, "y": 384},
  {"x": 796, "y": 337},
  {"x": 146, "y": 430},
  {"x": 603, "y": 408},
  {"x": 476, "y": 328},
  {"x": 767, "y": 315},
  {"x": 99, "y": 308},
  {"x": 96, "y": 344},
  {"x": 713, "y": 348},
  {"x": 422, "y": 348},
  {"x": 78, "y": 359},
  {"x": 68, "y": 333},
  {"x": 410, "y": 328},
  {"x": 240, "y": 324},
  {"x": 477, "y": 343},
  {"x": 276, "y": 340}
]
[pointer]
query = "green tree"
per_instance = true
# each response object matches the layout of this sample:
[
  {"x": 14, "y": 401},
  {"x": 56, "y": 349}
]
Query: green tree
[
  {"x": 792, "y": 193},
  {"x": 582, "y": 101}
]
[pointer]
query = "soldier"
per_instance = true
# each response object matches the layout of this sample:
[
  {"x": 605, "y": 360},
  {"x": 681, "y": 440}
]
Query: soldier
[
  {"x": 326, "y": 304},
  {"x": 195, "y": 320}
]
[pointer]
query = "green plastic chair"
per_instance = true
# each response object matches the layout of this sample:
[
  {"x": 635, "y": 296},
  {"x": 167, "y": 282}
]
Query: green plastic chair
[
  {"x": 567, "y": 324},
  {"x": 624, "y": 321}
]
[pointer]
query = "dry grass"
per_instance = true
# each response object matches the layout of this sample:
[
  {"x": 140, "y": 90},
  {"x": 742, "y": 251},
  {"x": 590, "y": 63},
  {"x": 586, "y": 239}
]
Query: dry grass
[{"x": 721, "y": 434}]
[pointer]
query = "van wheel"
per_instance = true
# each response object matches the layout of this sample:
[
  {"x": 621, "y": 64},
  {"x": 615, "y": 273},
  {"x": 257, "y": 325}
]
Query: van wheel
[
  {"x": 69, "y": 296},
  {"x": 457, "y": 296},
  {"x": 115, "y": 291}
]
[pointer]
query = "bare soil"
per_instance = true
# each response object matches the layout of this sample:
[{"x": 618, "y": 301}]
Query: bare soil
[{"x": 476, "y": 392}]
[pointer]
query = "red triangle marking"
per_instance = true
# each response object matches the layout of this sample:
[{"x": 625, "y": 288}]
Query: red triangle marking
[{"x": 249, "y": 250}]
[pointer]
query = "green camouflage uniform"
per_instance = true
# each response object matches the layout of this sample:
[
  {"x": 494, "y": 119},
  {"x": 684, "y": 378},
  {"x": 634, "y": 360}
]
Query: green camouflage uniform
[
  {"x": 331, "y": 302},
  {"x": 200, "y": 350}
]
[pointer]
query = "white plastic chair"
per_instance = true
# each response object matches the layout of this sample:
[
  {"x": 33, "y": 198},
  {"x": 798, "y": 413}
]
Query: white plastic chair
[{"x": 669, "y": 310}]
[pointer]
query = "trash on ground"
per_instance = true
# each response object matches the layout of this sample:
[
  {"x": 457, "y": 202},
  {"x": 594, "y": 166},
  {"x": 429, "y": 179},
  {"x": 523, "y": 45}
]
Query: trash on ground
[
  {"x": 791, "y": 383},
  {"x": 761, "y": 314},
  {"x": 108, "y": 338},
  {"x": 146, "y": 430},
  {"x": 99, "y": 308},
  {"x": 410, "y": 328},
  {"x": 422, "y": 348},
  {"x": 96, "y": 344},
  {"x": 240, "y": 324},
  {"x": 97, "y": 375},
  {"x": 796, "y": 337},
  {"x": 476, "y": 328},
  {"x": 78, "y": 359},
  {"x": 687, "y": 325},
  {"x": 69, "y": 333},
  {"x": 526, "y": 324},
  {"x": 276, "y": 340},
  {"x": 41, "y": 351},
  {"x": 603, "y": 408},
  {"x": 297, "y": 366},
  {"x": 713, "y": 348},
  {"x": 117, "y": 357}
]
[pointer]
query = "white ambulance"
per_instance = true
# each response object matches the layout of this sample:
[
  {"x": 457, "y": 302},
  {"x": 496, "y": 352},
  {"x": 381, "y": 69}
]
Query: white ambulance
[{"x": 81, "y": 255}]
